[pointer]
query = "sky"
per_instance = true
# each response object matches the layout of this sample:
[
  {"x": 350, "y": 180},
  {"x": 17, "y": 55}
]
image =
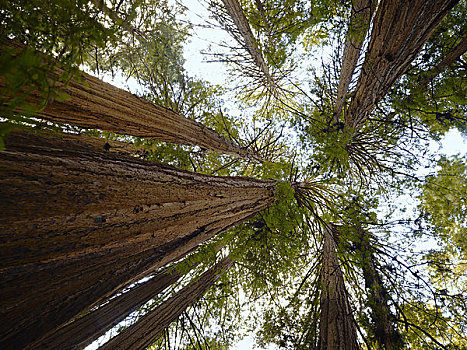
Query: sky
[{"x": 198, "y": 66}]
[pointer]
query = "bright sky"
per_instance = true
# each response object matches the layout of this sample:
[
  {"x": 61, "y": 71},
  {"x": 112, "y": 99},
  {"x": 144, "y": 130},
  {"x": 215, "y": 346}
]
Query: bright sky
[{"x": 197, "y": 66}]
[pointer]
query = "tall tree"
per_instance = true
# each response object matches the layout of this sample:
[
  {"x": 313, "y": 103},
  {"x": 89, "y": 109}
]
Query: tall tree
[
  {"x": 400, "y": 29},
  {"x": 447, "y": 60},
  {"x": 383, "y": 322},
  {"x": 141, "y": 334},
  {"x": 337, "y": 326},
  {"x": 235, "y": 11},
  {"x": 360, "y": 17},
  {"x": 108, "y": 220},
  {"x": 82, "y": 331},
  {"x": 94, "y": 104}
]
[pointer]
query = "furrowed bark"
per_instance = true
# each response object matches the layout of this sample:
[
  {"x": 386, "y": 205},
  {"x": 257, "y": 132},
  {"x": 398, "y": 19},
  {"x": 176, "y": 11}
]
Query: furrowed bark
[
  {"x": 337, "y": 328},
  {"x": 400, "y": 29},
  {"x": 241, "y": 22},
  {"x": 77, "y": 224},
  {"x": 84, "y": 330},
  {"x": 95, "y": 104},
  {"x": 146, "y": 330},
  {"x": 384, "y": 330},
  {"x": 362, "y": 11},
  {"x": 449, "y": 59}
]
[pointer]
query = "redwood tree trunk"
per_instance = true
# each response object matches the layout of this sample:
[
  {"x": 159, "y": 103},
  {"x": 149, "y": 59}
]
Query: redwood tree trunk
[
  {"x": 337, "y": 329},
  {"x": 384, "y": 330},
  {"x": 449, "y": 59},
  {"x": 86, "y": 329},
  {"x": 146, "y": 330},
  {"x": 362, "y": 10},
  {"x": 241, "y": 22},
  {"x": 77, "y": 224},
  {"x": 95, "y": 104},
  {"x": 400, "y": 29}
]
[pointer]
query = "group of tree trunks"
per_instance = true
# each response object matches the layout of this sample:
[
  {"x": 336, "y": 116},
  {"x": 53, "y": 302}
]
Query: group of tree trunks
[
  {"x": 400, "y": 29},
  {"x": 94, "y": 104},
  {"x": 142, "y": 333},
  {"x": 79, "y": 223}
]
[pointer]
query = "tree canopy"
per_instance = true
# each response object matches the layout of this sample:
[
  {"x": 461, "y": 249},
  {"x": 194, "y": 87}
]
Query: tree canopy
[{"x": 300, "y": 203}]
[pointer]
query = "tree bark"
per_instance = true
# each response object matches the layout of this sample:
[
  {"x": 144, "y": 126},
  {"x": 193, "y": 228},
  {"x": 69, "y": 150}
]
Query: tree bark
[
  {"x": 384, "y": 331},
  {"x": 362, "y": 11},
  {"x": 241, "y": 22},
  {"x": 337, "y": 330},
  {"x": 77, "y": 224},
  {"x": 146, "y": 330},
  {"x": 83, "y": 331},
  {"x": 94, "y": 104},
  {"x": 449, "y": 59},
  {"x": 400, "y": 29}
]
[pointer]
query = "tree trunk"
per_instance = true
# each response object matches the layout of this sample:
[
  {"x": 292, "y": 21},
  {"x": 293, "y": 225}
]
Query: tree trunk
[
  {"x": 83, "y": 331},
  {"x": 450, "y": 58},
  {"x": 78, "y": 224},
  {"x": 384, "y": 331},
  {"x": 400, "y": 29},
  {"x": 337, "y": 329},
  {"x": 241, "y": 22},
  {"x": 95, "y": 104},
  {"x": 146, "y": 330},
  {"x": 362, "y": 11}
]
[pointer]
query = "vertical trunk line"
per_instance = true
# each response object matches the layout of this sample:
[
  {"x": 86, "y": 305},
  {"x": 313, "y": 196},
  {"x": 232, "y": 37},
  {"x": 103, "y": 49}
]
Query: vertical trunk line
[
  {"x": 78, "y": 224},
  {"x": 337, "y": 326},
  {"x": 146, "y": 330},
  {"x": 400, "y": 29}
]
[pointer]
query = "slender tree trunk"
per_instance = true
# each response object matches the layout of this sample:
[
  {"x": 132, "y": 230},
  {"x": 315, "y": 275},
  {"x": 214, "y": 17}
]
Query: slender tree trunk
[
  {"x": 362, "y": 11},
  {"x": 449, "y": 59},
  {"x": 84, "y": 330},
  {"x": 400, "y": 29},
  {"x": 241, "y": 22},
  {"x": 94, "y": 104},
  {"x": 146, "y": 330},
  {"x": 78, "y": 224},
  {"x": 384, "y": 330},
  {"x": 337, "y": 326}
]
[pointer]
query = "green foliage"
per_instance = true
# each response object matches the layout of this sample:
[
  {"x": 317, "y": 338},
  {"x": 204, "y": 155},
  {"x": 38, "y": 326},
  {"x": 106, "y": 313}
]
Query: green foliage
[
  {"x": 277, "y": 252},
  {"x": 440, "y": 104},
  {"x": 57, "y": 33},
  {"x": 444, "y": 202},
  {"x": 269, "y": 246}
]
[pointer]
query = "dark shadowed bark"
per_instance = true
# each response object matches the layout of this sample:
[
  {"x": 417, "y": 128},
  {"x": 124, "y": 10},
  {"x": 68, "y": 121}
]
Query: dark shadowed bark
[
  {"x": 77, "y": 224},
  {"x": 384, "y": 329},
  {"x": 94, "y": 104},
  {"x": 449, "y": 59},
  {"x": 337, "y": 330},
  {"x": 141, "y": 334},
  {"x": 400, "y": 29},
  {"x": 362, "y": 10},
  {"x": 84, "y": 330}
]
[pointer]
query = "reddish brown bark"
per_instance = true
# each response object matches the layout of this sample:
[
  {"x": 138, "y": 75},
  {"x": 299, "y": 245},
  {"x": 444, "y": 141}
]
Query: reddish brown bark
[
  {"x": 362, "y": 11},
  {"x": 95, "y": 104},
  {"x": 84, "y": 330},
  {"x": 141, "y": 334},
  {"x": 400, "y": 29},
  {"x": 449, "y": 59},
  {"x": 78, "y": 223},
  {"x": 337, "y": 327}
]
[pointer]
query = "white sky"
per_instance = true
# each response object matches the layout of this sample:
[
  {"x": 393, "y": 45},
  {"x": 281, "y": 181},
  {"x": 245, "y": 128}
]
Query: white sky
[{"x": 197, "y": 66}]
